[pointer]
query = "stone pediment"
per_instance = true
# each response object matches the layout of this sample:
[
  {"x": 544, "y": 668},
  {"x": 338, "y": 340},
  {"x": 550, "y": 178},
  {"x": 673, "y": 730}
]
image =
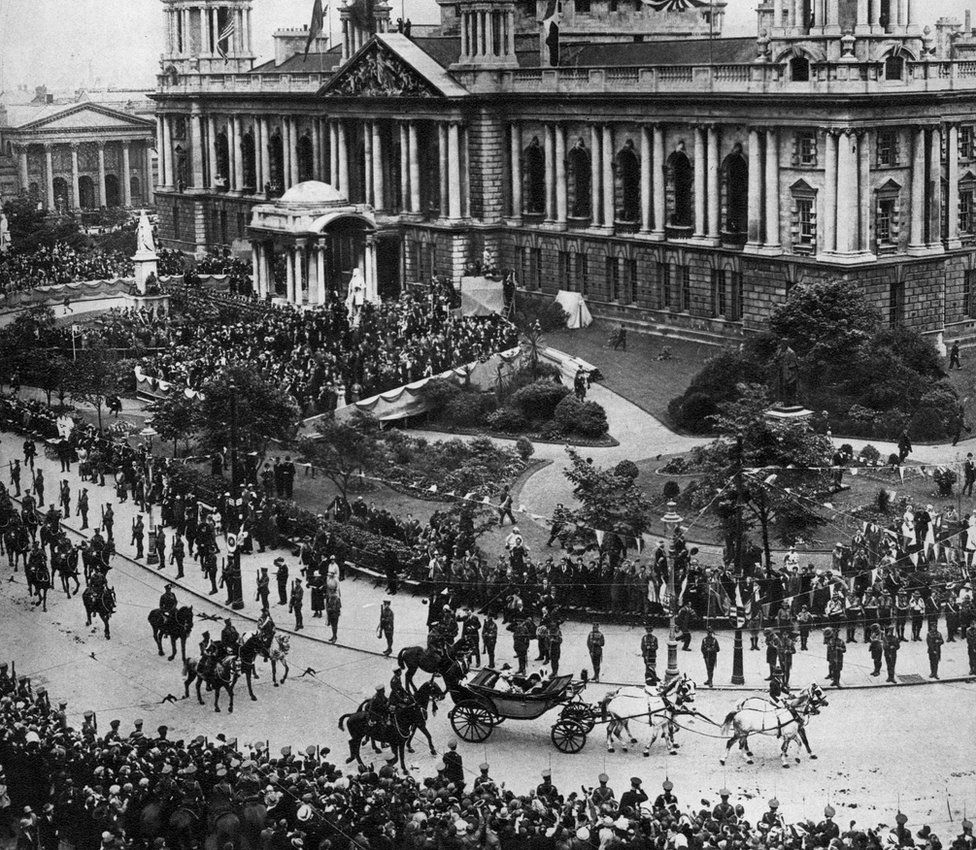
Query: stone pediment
[
  {"x": 88, "y": 116},
  {"x": 390, "y": 65}
]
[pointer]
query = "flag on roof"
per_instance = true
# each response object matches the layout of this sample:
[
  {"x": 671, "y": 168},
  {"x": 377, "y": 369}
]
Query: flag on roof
[
  {"x": 677, "y": 5},
  {"x": 225, "y": 35},
  {"x": 315, "y": 27}
]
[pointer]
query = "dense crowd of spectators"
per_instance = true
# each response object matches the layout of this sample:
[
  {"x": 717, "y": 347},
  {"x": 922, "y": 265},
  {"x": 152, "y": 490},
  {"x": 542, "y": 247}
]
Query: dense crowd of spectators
[
  {"x": 99, "y": 788},
  {"x": 59, "y": 263}
]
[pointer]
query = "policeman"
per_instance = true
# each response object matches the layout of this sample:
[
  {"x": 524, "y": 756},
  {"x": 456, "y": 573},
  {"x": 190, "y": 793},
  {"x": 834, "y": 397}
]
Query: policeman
[
  {"x": 649, "y": 644},
  {"x": 827, "y": 830},
  {"x": 594, "y": 644},
  {"x": 709, "y": 651},
  {"x": 771, "y": 819},
  {"x": 603, "y": 793},
  {"x": 724, "y": 811},
  {"x": 835, "y": 658},
  {"x": 633, "y": 797},
  {"x": 489, "y": 637},
  {"x": 385, "y": 628},
  {"x": 484, "y": 781}
]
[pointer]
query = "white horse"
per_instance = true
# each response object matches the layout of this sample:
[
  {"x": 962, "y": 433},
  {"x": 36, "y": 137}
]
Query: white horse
[
  {"x": 278, "y": 654},
  {"x": 655, "y": 706},
  {"x": 760, "y": 716}
]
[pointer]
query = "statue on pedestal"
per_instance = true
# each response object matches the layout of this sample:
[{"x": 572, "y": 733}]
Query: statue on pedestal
[{"x": 786, "y": 376}]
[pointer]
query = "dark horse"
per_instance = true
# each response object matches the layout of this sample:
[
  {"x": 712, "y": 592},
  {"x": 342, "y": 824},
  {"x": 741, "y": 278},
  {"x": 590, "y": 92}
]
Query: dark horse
[
  {"x": 179, "y": 825},
  {"x": 217, "y": 673},
  {"x": 177, "y": 627},
  {"x": 251, "y": 647},
  {"x": 447, "y": 665},
  {"x": 399, "y": 728},
  {"x": 100, "y": 603},
  {"x": 428, "y": 692}
]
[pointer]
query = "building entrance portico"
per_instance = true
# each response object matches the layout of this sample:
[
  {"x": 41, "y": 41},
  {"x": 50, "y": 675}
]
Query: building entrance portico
[{"x": 323, "y": 239}]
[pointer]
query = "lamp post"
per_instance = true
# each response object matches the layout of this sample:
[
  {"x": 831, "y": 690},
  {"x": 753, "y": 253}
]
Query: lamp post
[
  {"x": 738, "y": 673},
  {"x": 235, "y": 591},
  {"x": 671, "y": 521}
]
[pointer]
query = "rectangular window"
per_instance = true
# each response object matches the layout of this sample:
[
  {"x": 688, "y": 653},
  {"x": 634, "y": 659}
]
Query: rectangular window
[
  {"x": 896, "y": 303},
  {"x": 966, "y": 140},
  {"x": 613, "y": 279},
  {"x": 632, "y": 281},
  {"x": 564, "y": 279},
  {"x": 806, "y": 222},
  {"x": 537, "y": 267},
  {"x": 664, "y": 283},
  {"x": 583, "y": 273},
  {"x": 684, "y": 284},
  {"x": 176, "y": 221},
  {"x": 885, "y": 222},
  {"x": 719, "y": 300},
  {"x": 966, "y": 199},
  {"x": 520, "y": 266},
  {"x": 887, "y": 155},
  {"x": 735, "y": 290},
  {"x": 806, "y": 149},
  {"x": 969, "y": 294}
]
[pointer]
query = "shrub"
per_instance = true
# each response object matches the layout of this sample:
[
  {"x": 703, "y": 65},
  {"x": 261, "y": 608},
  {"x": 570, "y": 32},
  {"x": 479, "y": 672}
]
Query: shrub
[
  {"x": 893, "y": 460},
  {"x": 926, "y": 424},
  {"x": 507, "y": 419},
  {"x": 524, "y": 447},
  {"x": 944, "y": 479},
  {"x": 464, "y": 409},
  {"x": 671, "y": 490},
  {"x": 529, "y": 310},
  {"x": 882, "y": 501},
  {"x": 440, "y": 391},
  {"x": 539, "y": 399},
  {"x": 693, "y": 412},
  {"x": 626, "y": 469},
  {"x": 869, "y": 454},
  {"x": 592, "y": 421}
]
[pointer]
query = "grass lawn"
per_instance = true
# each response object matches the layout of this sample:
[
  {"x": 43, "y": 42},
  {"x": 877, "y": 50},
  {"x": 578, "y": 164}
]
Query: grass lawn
[{"x": 636, "y": 373}]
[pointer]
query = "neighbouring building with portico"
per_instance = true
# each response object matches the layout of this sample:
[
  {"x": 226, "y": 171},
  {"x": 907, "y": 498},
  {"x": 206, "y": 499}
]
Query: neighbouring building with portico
[{"x": 678, "y": 179}]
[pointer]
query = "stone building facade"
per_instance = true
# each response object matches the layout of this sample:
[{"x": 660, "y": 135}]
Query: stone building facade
[{"x": 680, "y": 180}]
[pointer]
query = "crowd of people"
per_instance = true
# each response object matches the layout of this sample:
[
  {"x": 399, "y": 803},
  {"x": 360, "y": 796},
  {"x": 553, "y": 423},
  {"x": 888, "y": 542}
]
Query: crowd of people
[
  {"x": 45, "y": 265},
  {"x": 106, "y": 788}
]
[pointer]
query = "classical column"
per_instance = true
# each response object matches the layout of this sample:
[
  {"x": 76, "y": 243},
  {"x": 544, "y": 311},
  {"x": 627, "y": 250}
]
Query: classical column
[
  {"x": 258, "y": 164},
  {"x": 442, "y": 166},
  {"x": 454, "y": 166},
  {"x": 833, "y": 17},
  {"x": 645, "y": 178},
  {"x": 777, "y": 13},
  {"x": 290, "y": 274},
  {"x": 713, "y": 183},
  {"x": 196, "y": 148},
  {"x": 49, "y": 175},
  {"x": 334, "y": 153},
  {"x": 369, "y": 267},
  {"x": 952, "y": 178},
  {"x": 167, "y": 152},
  {"x": 414, "y": 168},
  {"x": 755, "y": 191},
  {"x": 264, "y": 124},
  {"x": 596, "y": 171},
  {"x": 561, "y": 202},
  {"x": 465, "y": 173},
  {"x": 830, "y": 193},
  {"x": 256, "y": 267},
  {"x": 861, "y": 24},
  {"x": 293, "y": 152},
  {"x": 550, "y": 174},
  {"x": 379, "y": 188},
  {"x": 285, "y": 153},
  {"x": 847, "y": 197},
  {"x": 126, "y": 179},
  {"x": 343, "y": 159},
  {"x": 101, "y": 175},
  {"x": 772, "y": 190},
  {"x": 300, "y": 276},
  {"x": 511, "y": 32},
  {"x": 912, "y": 15},
  {"x": 609, "y": 199},
  {"x": 515, "y": 155},
  {"x": 368, "y": 163},
  {"x": 323, "y": 291},
  {"x": 875, "y": 16},
  {"x": 161, "y": 176},
  {"x": 660, "y": 206},
  {"x": 699, "y": 183},
  {"x": 864, "y": 184},
  {"x": 212, "y": 150},
  {"x": 801, "y": 21},
  {"x": 22, "y": 170},
  {"x": 404, "y": 167},
  {"x": 238, "y": 156},
  {"x": 75, "y": 192},
  {"x": 935, "y": 188},
  {"x": 917, "y": 234}
]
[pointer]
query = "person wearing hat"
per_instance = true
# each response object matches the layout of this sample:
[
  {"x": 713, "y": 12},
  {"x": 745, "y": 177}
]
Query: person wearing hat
[
  {"x": 827, "y": 830},
  {"x": 594, "y": 645},
  {"x": 138, "y": 536},
  {"x": 709, "y": 650},
  {"x": 378, "y": 710},
  {"x": 933, "y": 642},
  {"x": 136, "y": 733},
  {"x": 167, "y": 602},
  {"x": 263, "y": 587},
  {"x": 666, "y": 800},
  {"x": 113, "y": 733},
  {"x": 333, "y": 610},
  {"x": 633, "y": 798},
  {"x": 603, "y": 793},
  {"x": 724, "y": 810},
  {"x": 965, "y": 840},
  {"x": 89, "y": 725},
  {"x": 971, "y": 646},
  {"x": 484, "y": 783},
  {"x": 890, "y": 646},
  {"x": 648, "y": 647},
  {"x": 770, "y": 819},
  {"x": 385, "y": 627},
  {"x": 454, "y": 766},
  {"x": 295, "y": 603},
  {"x": 546, "y": 789},
  {"x": 772, "y": 650},
  {"x": 178, "y": 554},
  {"x": 230, "y": 638},
  {"x": 281, "y": 579},
  {"x": 505, "y": 508},
  {"x": 48, "y": 834},
  {"x": 489, "y": 637},
  {"x": 835, "y": 658}
]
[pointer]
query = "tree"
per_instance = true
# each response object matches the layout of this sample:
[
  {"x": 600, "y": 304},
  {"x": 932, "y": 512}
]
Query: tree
[
  {"x": 832, "y": 313},
  {"x": 344, "y": 449},
  {"x": 262, "y": 409},
  {"x": 607, "y": 501},
  {"x": 174, "y": 418},
  {"x": 94, "y": 376},
  {"x": 782, "y": 495},
  {"x": 49, "y": 371}
]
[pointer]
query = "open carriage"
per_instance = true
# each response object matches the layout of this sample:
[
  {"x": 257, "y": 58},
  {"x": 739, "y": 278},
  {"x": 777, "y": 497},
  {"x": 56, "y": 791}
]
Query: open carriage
[{"x": 490, "y": 698}]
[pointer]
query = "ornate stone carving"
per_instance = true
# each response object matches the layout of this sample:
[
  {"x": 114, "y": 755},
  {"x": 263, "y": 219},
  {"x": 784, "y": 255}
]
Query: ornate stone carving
[{"x": 380, "y": 73}]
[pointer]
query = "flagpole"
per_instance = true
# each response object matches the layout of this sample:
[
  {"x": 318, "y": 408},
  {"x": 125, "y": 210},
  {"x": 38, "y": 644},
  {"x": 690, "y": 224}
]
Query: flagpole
[{"x": 738, "y": 675}]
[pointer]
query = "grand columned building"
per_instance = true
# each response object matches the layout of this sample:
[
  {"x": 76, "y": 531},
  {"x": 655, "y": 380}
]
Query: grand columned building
[{"x": 676, "y": 178}]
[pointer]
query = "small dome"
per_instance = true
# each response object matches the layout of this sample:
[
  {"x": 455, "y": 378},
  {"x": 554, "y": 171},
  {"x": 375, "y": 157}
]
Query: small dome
[{"x": 312, "y": 193}]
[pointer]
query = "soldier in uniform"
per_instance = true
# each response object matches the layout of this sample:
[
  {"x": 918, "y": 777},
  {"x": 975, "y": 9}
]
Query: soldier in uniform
[
  {"x": 971, "y": 647},
  {"x": 835, "y": 658},
  {"x": 649, "y": 645},
  {"x": 594, "y": 645},
  {"x": 632, "y": 799},
  {"x": 484, "y": 781},
  {"x": 385, "y": 627},
  {"x": 263, "y": 587},
  {"x": 603, "y": 793},
  {"x": 771, "y": 819},
  {"x": 454, "y": 766},
  {"x": 295, "y": 603},
  {"x": 138, "y": 536},
  {"x": 724, "y": 810},
  {"x": 827, "y": 830},
  {"x": 399, "y": 696},
  {"x": 546, "y": 789},
  {"x": 891, "y": 645},
  {"x": 667, "y": 800},
  {"x": 772, "y": 650},
  {"x": 229, "y": 638},
  {"x": 709, "y": 650},
  {"x": 489, "y": 636},
  {"x": 378, "y": 709},
  {"x": 787, "y": 649},
  {"x": 876, "y": 648},
  {"x": 934, "y": 641},
  {"x": 167, "y": 602},
  {"x": 777, "y": 688},
  {"x": 177, "y": 554},
  {"x": 555, "y": 646},
  {"x": 333, "y": 608},
  {"x": 281, "y": 577}
]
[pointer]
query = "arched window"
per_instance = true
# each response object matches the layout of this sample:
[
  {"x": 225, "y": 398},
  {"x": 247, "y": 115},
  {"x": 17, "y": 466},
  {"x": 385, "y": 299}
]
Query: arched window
[
  {"x": 680, "y": 188},
  {"x": 534, "y": 187},
  {"x": 277, "y": 163},
  {"x": 736, "y": 171},
  {"x": 181, "y": 168},
  {"x": 135, "y": 188},
  {"x": 87, "y": 199},
  {"x": 112, "y": 191},
  {"x": 62, "y": 197},
  {"x": 800, "y": 69},
  {"x": 579, "y": 181},
  {"x": 628, "y": 173},
  {"x": 894, "y": 67},
  {"x": 223, "y": 161},
  {"x": 247, "y": 158},
  {"x": 306, "y": 161}
]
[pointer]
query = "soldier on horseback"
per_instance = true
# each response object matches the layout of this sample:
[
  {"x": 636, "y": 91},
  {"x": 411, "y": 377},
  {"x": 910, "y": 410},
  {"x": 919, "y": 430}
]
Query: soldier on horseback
[
  {"x": 266, "y": 626},
  {"x": 230, "y": 638},
  {"x": 378, "y": 709},
  {"x": 398, "y": 693},
  {"x": 168, "y": 603}
]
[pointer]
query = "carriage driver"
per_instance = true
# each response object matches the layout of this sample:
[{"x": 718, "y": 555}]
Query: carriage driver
[{"x": 777, "y": 687}]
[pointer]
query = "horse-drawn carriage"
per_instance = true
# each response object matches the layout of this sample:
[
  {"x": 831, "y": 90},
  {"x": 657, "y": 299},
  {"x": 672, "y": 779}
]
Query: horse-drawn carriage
[{"x": 488, "y": 699}]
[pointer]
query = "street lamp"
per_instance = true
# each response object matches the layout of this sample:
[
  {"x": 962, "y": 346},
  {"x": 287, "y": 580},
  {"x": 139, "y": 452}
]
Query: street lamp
[
  {"x": 738, "y": 670},
  {"x": 234, "y": 579},
  {"x": 671, "y": 521}
]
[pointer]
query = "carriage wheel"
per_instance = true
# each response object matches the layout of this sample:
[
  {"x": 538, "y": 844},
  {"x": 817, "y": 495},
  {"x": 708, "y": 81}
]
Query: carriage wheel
[
  {"x": 579, "y": 713},
  {"x": 568, "y": 736},
  {"x": 472, "y": 723}
]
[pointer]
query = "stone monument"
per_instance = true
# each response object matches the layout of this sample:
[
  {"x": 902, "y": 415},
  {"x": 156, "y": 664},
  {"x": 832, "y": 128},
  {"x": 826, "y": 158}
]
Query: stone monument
[
  {"x": 146, "y": 259},
  {"x": 785, "y": 385}
]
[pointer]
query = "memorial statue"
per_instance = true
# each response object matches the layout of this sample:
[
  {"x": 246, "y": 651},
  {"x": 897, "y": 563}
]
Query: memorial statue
[
  {"x": 787, "y": 375},
  {"x": 145, "y": 242},
  {"x": 356, "y": 296},
  {"x": 4, "y": 233}
]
